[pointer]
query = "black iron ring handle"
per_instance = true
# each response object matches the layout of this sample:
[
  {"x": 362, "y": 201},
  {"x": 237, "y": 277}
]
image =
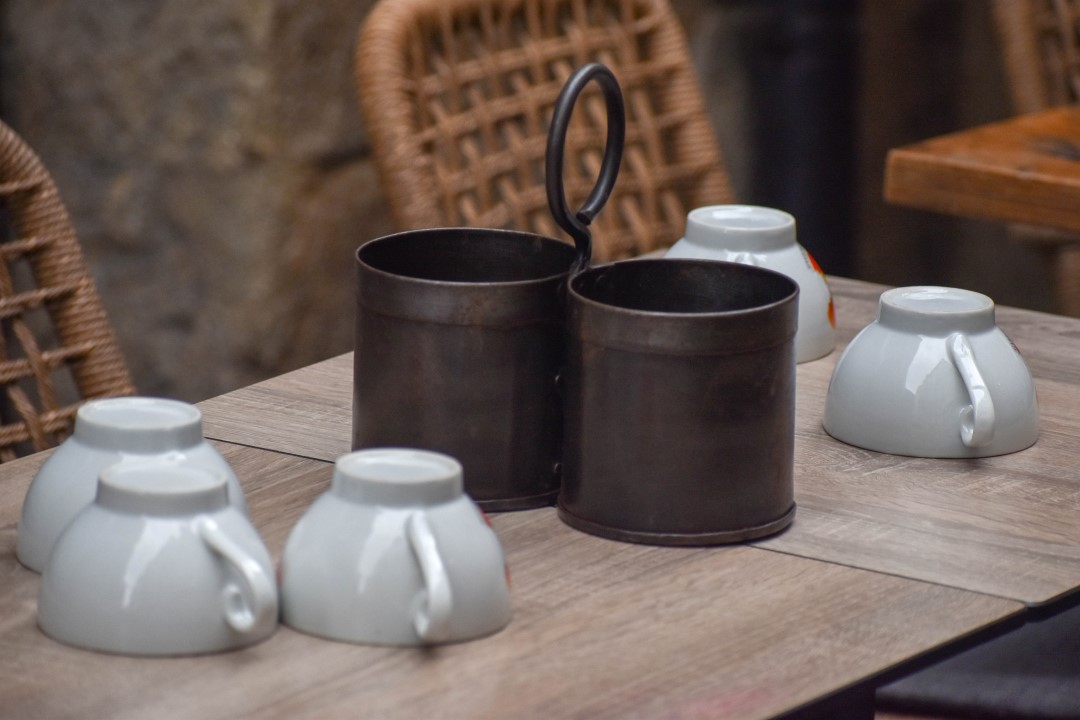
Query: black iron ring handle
[{"x": 577, "y": 224}]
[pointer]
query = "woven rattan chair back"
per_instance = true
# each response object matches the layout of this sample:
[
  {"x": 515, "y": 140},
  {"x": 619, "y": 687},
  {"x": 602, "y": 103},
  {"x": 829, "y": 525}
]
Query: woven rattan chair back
[
  {"x": 56, "y": 346},
  {"x": 1040, "y": 41},
  {"x": 456, "y": 96}
]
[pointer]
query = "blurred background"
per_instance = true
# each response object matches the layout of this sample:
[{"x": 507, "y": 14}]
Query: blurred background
[{"x": 216, "y": 169}]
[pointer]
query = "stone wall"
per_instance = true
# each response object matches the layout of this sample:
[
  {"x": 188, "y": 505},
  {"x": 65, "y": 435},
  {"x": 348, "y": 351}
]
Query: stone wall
[{"x": 213, "y": 160}]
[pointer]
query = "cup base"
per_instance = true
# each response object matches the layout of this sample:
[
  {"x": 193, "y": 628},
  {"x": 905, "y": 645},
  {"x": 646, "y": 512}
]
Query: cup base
[
  {"x": 956, "y": 451},
  {"x": 720, "y": 537},
  {"x": 136, "y": 648},
  {"x": 529, "y": 502},
  {"x": 381, "y": 640}
]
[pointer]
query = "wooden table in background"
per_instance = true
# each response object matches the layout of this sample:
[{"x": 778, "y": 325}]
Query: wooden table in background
[
  {"x": 1022, "y": 170},
  {"x": 890, "y": 561}
]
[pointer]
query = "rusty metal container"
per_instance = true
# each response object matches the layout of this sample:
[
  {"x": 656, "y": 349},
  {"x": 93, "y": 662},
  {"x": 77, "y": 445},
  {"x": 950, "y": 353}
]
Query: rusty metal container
[
  {"x": 459, "y": 338},
  {"x": 680, "y": 402},
  {"x": 460, "y": 333}
]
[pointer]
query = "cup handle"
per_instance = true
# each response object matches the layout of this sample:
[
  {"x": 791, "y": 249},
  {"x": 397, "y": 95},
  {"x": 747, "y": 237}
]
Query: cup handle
[
  {"x": 432, "y": 618},
  {"x": 976, "y": 419},
  {"x": 250, "y": 603}
]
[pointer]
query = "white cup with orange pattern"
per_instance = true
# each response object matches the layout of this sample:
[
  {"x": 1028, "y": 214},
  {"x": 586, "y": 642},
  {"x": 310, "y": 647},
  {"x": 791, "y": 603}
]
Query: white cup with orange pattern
[{"x": 765, "y": 237}]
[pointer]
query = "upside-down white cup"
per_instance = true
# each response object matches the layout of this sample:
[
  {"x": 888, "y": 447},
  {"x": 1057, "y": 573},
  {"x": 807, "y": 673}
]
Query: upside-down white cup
[
  {"x": 933, "y": 376},
  {"x": 159, "y": 564},
  {"x": 110, "y": 431},
  {"x": 394, "y": 553},
  {"x": 765, "y": 237}
]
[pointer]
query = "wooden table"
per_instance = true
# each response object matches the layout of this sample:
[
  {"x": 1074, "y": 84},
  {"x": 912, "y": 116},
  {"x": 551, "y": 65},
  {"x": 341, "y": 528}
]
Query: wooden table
[
  {"x": 1024, "y": 170},
  {"x": 890, "y": 562},
  {"x": 1007, "y": 526}
]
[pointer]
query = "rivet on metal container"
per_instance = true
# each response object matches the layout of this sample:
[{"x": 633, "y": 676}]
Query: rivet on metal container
[{"x": 679, "y": 386}]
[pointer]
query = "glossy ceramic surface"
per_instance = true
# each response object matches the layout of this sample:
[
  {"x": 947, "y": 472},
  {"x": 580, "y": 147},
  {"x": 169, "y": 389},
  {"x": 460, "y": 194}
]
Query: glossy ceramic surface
[
  {"x": 933, "y": 376},
  {"x": 395, "y": 554},
  {"x": 110, "y": 431},
  {"x": 765, "y": 237},
  {"x": 159, "y": 564}
]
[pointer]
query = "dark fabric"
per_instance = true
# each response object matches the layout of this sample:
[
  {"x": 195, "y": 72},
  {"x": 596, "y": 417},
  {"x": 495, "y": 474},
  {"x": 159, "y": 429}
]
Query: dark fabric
[{"x": 1032, "y": 672}]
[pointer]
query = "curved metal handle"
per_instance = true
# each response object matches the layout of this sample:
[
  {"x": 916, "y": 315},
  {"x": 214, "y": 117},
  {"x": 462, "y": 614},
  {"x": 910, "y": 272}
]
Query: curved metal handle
[
  {"x": 577, "y": 224},
  {"x": 432, "y": 619},
  {"x": 253, "y": 602},
  {"x": 977, "y": 419}
]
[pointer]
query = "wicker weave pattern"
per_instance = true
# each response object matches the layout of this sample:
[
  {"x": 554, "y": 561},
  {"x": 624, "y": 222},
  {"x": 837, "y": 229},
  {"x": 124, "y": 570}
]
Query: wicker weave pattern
[
  {"x": 56, "y": 346},
  {"x": 457, "y": 94}
]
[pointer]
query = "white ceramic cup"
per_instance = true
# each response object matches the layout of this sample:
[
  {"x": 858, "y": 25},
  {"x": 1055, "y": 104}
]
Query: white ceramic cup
[
  {"x": 933, "y": 376},
  {"x": 394, "y": 553},
  {"x": 110, "y": 431},
  {"x": 765, "y": 237},
  {"x": 159, "y": 564}
]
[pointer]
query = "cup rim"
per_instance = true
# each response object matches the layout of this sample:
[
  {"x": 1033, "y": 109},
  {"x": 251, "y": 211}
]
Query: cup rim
[
  {"x": 138, "y": 424},
  {"x": 751, "y": 269},
  {"x": 716, "y": 332},
  {"x": 776, "y": 229},
  {"x": 398, "y": 476},
  {"x": 935, "y": 309},
  {"x": 368, "y": 267},
  {"x": 162, "y": 488}
]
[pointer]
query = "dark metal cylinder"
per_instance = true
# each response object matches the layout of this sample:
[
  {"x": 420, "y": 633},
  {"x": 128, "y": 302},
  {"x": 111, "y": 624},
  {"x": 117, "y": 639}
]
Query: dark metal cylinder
[
  {"x": 680, "y": 402},
  {"x": 459, "y": 340}
]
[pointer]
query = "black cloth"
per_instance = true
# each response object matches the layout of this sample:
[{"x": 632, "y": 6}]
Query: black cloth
[{"x": 1032, "y": 672}]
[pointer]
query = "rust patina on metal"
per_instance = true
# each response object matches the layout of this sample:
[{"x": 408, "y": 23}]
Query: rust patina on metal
[
  {"x": 680, "y": 402},
  {"x": 679, "y": 386},
  {"x": 460, "y": 335},
  {"x": 459, "y": 339}
]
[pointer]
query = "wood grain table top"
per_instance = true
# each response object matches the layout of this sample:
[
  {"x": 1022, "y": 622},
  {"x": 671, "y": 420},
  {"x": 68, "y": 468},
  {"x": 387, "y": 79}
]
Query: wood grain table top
[
  {"x": 1025, "y": 170},
  {"x": 1007, "y": 526},
  {"x": 600, "y": 630}
]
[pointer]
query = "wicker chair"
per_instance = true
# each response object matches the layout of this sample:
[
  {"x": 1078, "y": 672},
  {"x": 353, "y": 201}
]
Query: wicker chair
[
  {"x": 1041, "y": 50},
  {"x": 456, "y": 96},
  {"x": 56, "y": 346}
]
